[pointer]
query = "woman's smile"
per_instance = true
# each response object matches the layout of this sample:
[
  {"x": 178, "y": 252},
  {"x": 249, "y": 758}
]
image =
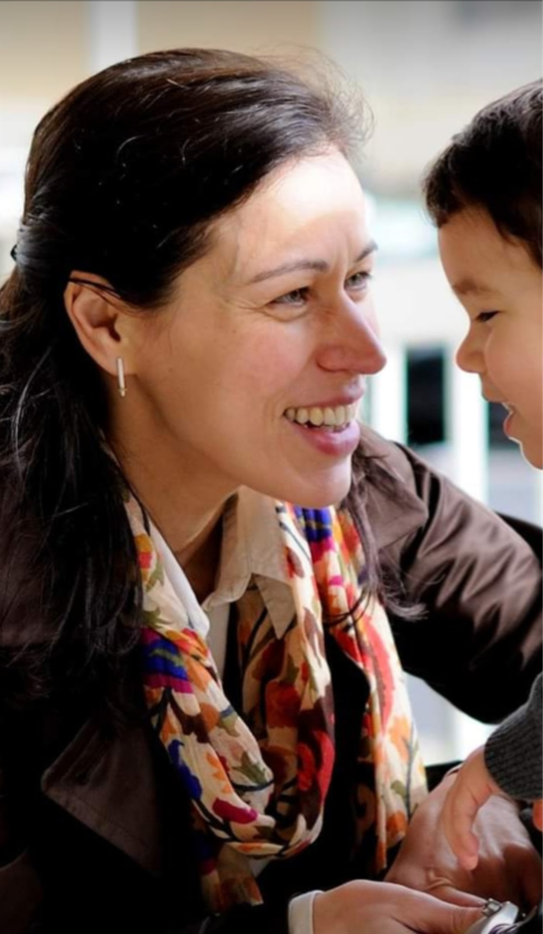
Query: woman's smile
[{"x": 323, "y": 417}]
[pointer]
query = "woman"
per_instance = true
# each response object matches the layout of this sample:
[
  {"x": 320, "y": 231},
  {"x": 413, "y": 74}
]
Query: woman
[{"x": 195, "y": 642}]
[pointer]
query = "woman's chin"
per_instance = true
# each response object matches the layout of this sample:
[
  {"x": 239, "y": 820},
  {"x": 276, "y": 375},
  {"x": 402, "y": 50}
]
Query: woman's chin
[{"x": 322, "y": 493}]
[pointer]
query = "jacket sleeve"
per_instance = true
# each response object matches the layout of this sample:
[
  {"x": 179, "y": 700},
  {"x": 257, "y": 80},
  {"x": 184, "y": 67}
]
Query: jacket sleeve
[{"x": 478, "y": 642}]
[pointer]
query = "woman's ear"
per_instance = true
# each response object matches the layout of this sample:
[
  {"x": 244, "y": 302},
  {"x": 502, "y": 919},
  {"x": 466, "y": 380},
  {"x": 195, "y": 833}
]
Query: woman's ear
[{"x": 97, "y": 315}]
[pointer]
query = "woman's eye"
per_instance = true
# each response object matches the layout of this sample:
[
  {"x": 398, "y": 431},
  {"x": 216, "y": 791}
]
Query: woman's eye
[
  {"x": 299, "y": 297},
  {"x": 485, "y": 316},
  {"x": 360, "y": 280},
  {"x": 296, "y": 298}
]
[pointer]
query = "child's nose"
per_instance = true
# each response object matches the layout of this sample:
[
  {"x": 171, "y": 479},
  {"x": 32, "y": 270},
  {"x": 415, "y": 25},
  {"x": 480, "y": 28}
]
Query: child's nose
[{"x": 468, "y": 355}]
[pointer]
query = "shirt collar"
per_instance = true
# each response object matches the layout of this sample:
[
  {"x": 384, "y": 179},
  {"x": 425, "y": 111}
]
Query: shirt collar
[{"x": 251, "y": 547}]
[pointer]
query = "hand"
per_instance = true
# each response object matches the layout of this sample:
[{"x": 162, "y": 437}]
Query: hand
[
  {"x": 381, "y": 908},
  {"x": 473, "y": 785},
  {"x": 508, "y": 868}
]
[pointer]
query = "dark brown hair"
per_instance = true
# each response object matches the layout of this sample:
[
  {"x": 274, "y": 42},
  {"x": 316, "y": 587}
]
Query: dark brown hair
[
  {"x": 124, "y": 177},
  {"x": 495, "y": 164}
]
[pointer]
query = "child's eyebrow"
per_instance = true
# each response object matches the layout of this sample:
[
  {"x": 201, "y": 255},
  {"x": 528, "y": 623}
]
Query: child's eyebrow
[{"x": 471, "y": 287}]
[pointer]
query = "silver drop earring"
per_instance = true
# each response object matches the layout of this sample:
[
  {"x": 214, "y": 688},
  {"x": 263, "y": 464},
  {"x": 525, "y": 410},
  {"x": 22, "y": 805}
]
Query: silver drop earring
[{"x": 120, "y": 377}]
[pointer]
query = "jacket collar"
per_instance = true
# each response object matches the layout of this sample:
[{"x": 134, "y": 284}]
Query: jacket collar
[{"x": 111, "y": 787}]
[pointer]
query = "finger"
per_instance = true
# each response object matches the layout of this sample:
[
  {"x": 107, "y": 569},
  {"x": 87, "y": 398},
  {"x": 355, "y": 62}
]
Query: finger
[
  {"x": 468, "y": 861},
  {"x": 426, "y": 914},
  {"x": 445, "y": 892},
  {"x": 537, "y": 814},
  {"x": 441, "y": 918},
  {"x": 460, "y": 812},
  {"x": 460, "y": 920},
  {"x": 463, "y": 918}
]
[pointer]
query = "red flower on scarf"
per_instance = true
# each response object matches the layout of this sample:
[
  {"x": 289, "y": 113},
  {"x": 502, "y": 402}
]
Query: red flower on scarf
[
  {"x": 282, "y": 705},
  {"x": 324, "y": 773},
  {"x": 309, "y": 772},
  {"x": 306, "y": 767},
  {"x": 232, "y": 813},
  {"x": 145, "y": 551}
]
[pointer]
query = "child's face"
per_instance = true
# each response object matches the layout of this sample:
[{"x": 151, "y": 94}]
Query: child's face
[{"x": 500, "y": 287}]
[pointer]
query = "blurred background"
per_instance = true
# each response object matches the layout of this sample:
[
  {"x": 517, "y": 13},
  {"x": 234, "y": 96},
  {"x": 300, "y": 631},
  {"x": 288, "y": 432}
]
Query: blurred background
[{"x": 425, "y": 67}]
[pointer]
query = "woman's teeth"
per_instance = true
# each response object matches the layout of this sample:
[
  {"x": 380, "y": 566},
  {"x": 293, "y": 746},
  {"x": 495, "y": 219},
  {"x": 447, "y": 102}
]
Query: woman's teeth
[{"x": 330, "y": 417}]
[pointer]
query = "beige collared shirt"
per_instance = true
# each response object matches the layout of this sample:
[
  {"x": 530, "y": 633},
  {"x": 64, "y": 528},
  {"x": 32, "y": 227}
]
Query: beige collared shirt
[{"x": 251, "y": 546}]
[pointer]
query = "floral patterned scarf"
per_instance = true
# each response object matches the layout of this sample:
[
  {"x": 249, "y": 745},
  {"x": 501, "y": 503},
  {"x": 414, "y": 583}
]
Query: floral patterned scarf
[{"x": 258, "y": 782}]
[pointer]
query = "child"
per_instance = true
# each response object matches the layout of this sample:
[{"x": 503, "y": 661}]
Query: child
[{"x": 484, "y": 194}]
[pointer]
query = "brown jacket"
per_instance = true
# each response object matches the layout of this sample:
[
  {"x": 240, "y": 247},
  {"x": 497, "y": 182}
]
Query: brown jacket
[{"x": 93, "y": 825}]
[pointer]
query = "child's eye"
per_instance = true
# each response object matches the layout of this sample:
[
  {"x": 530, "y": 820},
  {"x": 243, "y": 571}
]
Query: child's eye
[{"x": 485, "y": 316}]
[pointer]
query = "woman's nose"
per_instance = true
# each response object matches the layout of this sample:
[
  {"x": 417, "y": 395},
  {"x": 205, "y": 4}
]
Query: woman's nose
[{"x": 354, "y": 345}]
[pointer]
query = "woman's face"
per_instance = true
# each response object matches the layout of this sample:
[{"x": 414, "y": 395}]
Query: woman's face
[
  {"x": 252, "y": 373},
  {"x": 499, "y": 285}
]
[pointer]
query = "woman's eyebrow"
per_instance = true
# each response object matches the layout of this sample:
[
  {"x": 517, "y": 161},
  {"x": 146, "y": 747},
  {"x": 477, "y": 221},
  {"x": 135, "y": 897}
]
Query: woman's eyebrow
[{"x": 320, "y": 265}]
